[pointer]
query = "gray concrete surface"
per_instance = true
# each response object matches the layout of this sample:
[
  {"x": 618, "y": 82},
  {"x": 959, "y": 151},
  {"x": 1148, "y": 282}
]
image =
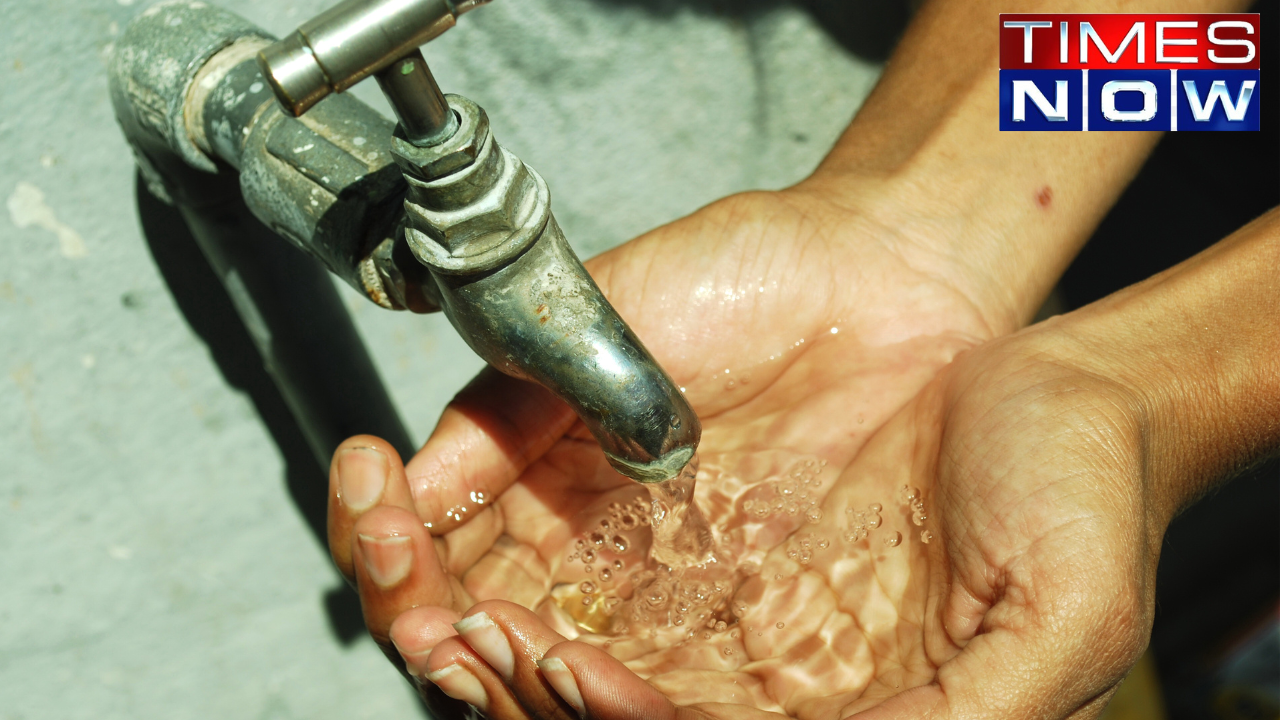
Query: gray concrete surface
[{"x": 152, "y": 563}]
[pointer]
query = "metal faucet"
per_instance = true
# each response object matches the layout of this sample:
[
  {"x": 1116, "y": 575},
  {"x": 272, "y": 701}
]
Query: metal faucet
[{"x": 433, "y": 214}]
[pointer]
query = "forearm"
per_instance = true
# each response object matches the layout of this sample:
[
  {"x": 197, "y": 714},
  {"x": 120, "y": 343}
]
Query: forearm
[
  {"x": 1009, "y": 210},
  {"x": 1199, "y": 346}
]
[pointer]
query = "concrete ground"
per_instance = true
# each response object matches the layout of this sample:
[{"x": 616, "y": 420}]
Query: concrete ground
[{"x": 152, "y": 561}]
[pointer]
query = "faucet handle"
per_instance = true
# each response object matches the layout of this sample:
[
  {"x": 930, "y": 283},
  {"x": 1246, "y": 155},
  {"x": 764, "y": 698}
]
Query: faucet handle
[{"x": 358, "y": 38}]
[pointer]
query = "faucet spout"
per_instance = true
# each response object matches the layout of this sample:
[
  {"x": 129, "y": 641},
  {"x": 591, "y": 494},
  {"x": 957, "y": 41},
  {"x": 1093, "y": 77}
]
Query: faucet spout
[{"x": 480, "y": 220}]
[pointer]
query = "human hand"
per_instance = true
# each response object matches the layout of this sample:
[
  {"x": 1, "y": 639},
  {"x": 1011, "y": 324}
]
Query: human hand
[
  {"x": 825, "y": 332},
  {"x": 1043, "y": 468}
]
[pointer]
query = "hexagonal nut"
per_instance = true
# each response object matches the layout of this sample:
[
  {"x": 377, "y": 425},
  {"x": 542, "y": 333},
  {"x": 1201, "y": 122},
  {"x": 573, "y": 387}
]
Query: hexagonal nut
[{"x": 450, "y": 156}]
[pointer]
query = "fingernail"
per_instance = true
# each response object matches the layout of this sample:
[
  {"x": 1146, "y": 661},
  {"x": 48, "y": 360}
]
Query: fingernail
[
  {"x": 414, "y": 662},
  {"x": 362, "y": 477},
  {"x": 559, "y": 677},
  {"x": 487, "y": 639},
  {"x": 458, "y": 683},
  {"x": 386, "y": 559}
]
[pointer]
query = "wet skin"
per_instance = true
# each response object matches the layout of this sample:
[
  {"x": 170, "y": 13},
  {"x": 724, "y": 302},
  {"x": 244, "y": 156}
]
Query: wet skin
[{"x": 1025, "y": 467}]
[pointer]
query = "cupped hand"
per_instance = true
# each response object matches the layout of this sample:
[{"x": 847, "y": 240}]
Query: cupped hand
[{"x": 804, "y": 341}]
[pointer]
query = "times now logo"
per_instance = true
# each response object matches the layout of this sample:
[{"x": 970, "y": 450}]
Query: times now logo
[{"x": 1129, "y": 72}]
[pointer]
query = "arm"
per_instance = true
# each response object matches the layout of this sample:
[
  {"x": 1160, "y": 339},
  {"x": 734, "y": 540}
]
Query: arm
[
  {"x": 1199, "y": 345},
  {"x": 1009, "y": 209}
]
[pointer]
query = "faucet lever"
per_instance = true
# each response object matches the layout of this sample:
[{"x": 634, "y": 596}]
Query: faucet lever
[{"x": 358, "y": 38}]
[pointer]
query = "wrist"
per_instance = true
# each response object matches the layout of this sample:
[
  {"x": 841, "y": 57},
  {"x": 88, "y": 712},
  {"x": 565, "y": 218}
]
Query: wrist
[{"x": 1198, "y": 349}]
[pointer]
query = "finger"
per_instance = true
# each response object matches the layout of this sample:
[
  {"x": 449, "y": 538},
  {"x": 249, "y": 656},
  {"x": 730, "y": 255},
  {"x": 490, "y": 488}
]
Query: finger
[
  {"x": 365, "y": 472},
  {"x": 595, "y": 685},
  {"x": 397, "y": 569},
  {"x": 486, "y": 437},
  {"x": 512, "y": 639},
  {"x": 459, "y": 673},
  {"x": 414, "y": 634}
]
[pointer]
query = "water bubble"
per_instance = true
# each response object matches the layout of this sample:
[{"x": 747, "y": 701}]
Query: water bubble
[
  {"x": 677, "y": 620},
  {"x": 588, "y": 568},
  {"x": 605, "y": 525},
  {"x": 925, "y": 536},
  {"x": 588, "y": 556},
  {"x": 823, "y": 544},
  {"x": 580, "y": 544},
  {"x": 721, "y": 626},
  {"x": 620, "y": 544},
  {"x": 606, "y": 574},
  {"x": 894, "y": 539},
  {"x": 735, "y": 633},
  {"x": 874, "y": 521},
  {"x": 618, "y": 565},
  {"x": 587, "y": 601},
  {"x": 793, "y": 508},
  {"x": 706, "y": 634},
  {"x": 918, "y": 518},
  {"x": 780, "y": 625},
  {"x": 805, "y": 557},
  {"x": 813, "y": 515},
  {"x": 875, "y": 507},
  {"x": 615, "y": 506},
  {"x": 778, "y": 576},
  {"x": 728, "y": 651},
  {"x": 628, "y": 521},
  {"x": 597, "y": 539},
  {"x": 571, "y": 558},
  {"x": 587, "y": 587}
]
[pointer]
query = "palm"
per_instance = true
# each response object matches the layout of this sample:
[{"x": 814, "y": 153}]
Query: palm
[{"x": 794, "y": 340}]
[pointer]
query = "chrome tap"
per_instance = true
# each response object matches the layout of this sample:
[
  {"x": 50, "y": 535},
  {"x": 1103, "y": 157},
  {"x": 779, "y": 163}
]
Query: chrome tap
[{"x": 457, "y": 223}]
